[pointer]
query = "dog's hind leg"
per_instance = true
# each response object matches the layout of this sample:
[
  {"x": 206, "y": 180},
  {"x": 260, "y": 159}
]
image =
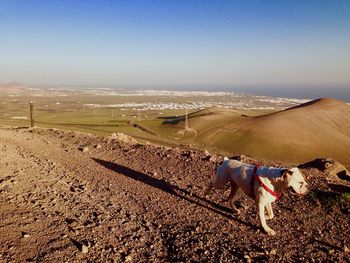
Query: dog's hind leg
[
  {"x": 234, "y": 188},
  {"x": 209, "y": 188}
]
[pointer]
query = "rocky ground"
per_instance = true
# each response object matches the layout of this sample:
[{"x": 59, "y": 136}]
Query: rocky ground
[{"x": 72, "y": 197}]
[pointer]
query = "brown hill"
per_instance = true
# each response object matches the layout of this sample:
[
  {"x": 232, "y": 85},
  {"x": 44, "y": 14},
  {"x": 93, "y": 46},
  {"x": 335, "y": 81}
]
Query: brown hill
[{"x": 317, "y": 128}]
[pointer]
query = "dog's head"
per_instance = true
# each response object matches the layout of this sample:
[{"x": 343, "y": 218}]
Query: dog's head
[{"x": 295, "y": 180}]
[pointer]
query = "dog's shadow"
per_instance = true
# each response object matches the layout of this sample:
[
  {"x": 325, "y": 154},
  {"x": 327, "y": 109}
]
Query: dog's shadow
[{"x": 172, "y": 189}]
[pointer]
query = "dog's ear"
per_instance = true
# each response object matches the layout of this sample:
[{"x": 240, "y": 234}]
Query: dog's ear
[{"x": 287, "y": 173}]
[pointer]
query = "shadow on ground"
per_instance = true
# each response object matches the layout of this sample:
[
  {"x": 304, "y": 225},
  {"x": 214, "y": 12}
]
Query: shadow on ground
[{"x": 172, "y": 189}]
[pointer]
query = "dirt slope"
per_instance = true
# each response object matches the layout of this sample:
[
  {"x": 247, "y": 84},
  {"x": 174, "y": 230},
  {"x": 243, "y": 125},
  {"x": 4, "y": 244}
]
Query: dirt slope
[{"x": 61, "y": 202}]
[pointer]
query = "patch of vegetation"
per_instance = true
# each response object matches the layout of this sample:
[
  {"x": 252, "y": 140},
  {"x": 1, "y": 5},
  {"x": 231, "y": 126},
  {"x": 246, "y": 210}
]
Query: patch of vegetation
[{"x": 330, "y": 199}]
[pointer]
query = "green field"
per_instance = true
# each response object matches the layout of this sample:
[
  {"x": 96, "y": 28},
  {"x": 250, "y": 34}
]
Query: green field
[
  {"x": 71, "y": 112},
  {"x": 72, "y": 115},
  {"x": 163, "y": 127}
]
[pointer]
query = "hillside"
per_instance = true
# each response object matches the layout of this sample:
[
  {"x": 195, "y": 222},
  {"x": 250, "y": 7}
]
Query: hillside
[
  {"x": 75, "y": 197},
  {"x": 317, "y": 128},
  {"x": 204, "y": 119}
]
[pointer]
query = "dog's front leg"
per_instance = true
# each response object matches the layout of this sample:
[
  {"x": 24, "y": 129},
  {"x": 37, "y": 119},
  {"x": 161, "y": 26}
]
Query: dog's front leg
[{"x": 261, "y": 208}]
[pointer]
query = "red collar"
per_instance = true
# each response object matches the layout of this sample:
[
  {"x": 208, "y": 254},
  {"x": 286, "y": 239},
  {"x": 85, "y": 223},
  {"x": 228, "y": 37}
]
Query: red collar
[{"x": 257, "y": 178}]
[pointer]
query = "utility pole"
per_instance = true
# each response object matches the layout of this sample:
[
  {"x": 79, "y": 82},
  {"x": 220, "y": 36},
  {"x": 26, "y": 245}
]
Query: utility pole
[
  {"x": 31, "y": 110},
  {"x": 139, "y": 115},
  {"x": 186, "y": 121}
]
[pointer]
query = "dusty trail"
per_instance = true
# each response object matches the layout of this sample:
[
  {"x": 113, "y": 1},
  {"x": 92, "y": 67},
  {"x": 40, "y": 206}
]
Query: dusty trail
[{"x": 130, "y": 202}]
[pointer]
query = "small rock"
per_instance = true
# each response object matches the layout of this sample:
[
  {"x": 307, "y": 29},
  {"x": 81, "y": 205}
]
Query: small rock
[
  {"x": 123, "y": 138},
  {"x": 85, "y": 149},
  {"x": 84, "y": 249},
  {"x": 346, "y": 249},
  {"x": 247, "y": 258},
  {"x": 98, "y": 146},
  {"x": 331, "y": 251},
  {"x": 273, "y": 252},
  {"x": 25, "y": 235},
  {"x": 129, "y": 258},
  {"x": 212, "y": 159},
  {"x": 7, "y": 187}
]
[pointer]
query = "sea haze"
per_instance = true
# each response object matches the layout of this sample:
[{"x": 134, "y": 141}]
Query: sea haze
[
  {"x": 337, "y": 92},
  {"x": 341, "y": 92}
]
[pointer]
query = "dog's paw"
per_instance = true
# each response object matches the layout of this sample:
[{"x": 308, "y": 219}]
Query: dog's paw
[
  {"x": 270, "y": 232},
  {"x": 234, "y": 209}
]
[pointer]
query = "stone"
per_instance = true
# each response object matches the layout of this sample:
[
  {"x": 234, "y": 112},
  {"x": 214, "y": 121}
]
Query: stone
[
  {"x": 247, "y": 258},
  {"x": 206, "y": 153},
  {"x": 331, "y": 167},
  {"x": 129, "y": 258},
  {"x": 336, "y": 169},
  {"x": 84, "y": 249},
  {"x": 25, "y": 235},
  {"x": 121, "y": 137},
  {"x": 273, "y": 252}
]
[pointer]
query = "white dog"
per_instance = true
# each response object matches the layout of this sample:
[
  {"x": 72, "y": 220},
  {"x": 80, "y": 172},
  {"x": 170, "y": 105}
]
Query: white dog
[{"x": 264, "y": 184}]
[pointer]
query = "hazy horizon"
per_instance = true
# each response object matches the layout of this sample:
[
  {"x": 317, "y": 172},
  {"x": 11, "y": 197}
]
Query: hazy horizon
[
  {"x": 298, "y": 92},
  {"x": 285, "y": 47}
]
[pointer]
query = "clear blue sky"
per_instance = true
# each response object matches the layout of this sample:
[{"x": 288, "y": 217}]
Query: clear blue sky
[{"x": 174, "y": 43}]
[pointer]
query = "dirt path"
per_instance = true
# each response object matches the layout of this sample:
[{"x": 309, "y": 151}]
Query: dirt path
[{"x": 126, "y": 202}]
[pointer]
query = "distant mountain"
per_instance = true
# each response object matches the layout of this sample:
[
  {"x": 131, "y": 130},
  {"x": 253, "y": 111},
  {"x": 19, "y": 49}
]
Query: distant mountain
[{"x": 12, "y": 87}]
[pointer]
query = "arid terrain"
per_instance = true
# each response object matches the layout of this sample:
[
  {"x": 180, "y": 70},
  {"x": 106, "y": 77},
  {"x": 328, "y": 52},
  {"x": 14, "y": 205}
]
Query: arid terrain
[{"x": 74, "y": 197}]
